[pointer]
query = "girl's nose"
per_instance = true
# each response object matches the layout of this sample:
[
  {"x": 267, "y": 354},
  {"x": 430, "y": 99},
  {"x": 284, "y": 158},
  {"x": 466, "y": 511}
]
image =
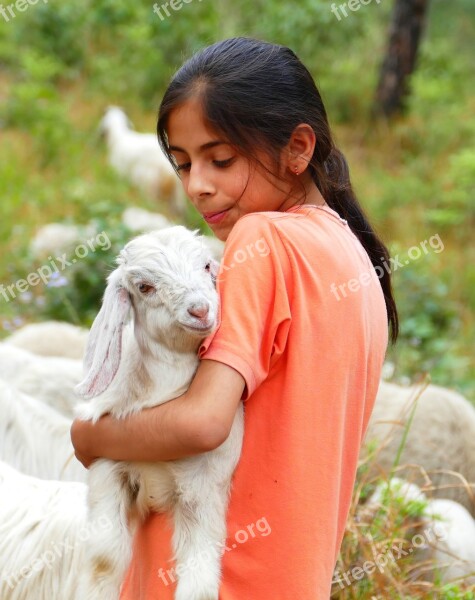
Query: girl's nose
[{"x": 199, "y": 184}]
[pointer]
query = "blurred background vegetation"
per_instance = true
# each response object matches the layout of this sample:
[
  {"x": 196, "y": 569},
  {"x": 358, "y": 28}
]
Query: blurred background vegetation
[{"x": 62, "y": 63}]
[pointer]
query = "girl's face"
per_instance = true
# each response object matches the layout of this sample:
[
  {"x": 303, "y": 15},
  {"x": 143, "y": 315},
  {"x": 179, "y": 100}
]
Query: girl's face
[{"x": 216, "y": 178}]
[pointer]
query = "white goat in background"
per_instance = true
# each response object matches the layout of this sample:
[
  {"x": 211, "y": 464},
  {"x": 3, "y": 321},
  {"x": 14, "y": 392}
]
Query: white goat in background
[
  {"x": 167, "y": 279},
  {"x": 51, "y": 338},
  {"x": 43, "y": 536},
  {"x": 139, "y": 157},
  {"x": 447, "y": 529},
  {"x": 35, "y": 439},
  {"x": 440, "y": 440},
  {"x": 51, "y": 379}
]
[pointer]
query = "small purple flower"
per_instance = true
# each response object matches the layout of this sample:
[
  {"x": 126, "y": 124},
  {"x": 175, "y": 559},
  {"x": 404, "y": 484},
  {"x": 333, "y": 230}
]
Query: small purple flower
[
  {"x": 6, "y": 325},
  {"x": 26, "y": 297},
  {"x": 57, "y": 280},
  {"x": 18, "y": 321}
]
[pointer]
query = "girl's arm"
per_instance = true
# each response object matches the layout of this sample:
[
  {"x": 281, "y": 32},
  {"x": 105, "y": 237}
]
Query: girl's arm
[{"x": 197, "y": 421}]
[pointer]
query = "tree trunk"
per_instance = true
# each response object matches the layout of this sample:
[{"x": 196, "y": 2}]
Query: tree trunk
[{"x": 405, "y": 34}]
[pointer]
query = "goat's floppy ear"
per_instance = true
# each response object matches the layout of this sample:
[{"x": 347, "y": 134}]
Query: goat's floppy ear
[{"x": 104, "y": 344}]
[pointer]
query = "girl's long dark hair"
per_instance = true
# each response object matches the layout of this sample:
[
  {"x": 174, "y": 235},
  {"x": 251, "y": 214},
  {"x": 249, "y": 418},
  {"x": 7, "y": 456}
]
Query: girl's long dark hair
[{"x": 255, "y": 93}]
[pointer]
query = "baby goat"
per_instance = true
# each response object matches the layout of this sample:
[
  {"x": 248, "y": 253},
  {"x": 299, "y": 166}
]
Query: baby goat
[
  {"x": 139, "y": 158},
  {"x": 166, "y": 280}
]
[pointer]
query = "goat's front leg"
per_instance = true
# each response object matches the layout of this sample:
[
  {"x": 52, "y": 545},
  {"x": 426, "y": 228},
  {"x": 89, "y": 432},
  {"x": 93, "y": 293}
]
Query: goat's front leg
[
  {"x": 108, "y": 551},
  {"x": 198, "y": 541}
]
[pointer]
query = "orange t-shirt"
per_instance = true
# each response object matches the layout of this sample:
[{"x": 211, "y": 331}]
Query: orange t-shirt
[{"x": 303, "y": 319}]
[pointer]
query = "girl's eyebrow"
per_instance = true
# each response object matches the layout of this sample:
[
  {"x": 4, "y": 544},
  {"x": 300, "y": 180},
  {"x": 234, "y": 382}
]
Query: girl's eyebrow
[{"x": 201, "y": 148}]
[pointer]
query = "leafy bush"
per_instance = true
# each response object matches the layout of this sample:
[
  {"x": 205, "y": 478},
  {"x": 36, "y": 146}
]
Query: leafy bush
[{"x": 430, "y": 329}]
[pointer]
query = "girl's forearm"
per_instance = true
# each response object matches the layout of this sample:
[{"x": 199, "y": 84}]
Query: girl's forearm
[{"x": 166, "y": 432}]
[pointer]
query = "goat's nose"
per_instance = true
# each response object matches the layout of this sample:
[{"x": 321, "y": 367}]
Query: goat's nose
[{"x": 199, "y": 310}]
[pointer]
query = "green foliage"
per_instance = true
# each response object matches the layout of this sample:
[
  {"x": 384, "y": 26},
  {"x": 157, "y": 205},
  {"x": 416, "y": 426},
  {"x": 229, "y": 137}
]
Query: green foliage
[
  {"x": 54, "y": 29},
  {"x": 454, "y": 592},
  {"x": 457, "y": 200},
  {"x": 430, "y": 327},
  {"x": 35, "y": 105}
]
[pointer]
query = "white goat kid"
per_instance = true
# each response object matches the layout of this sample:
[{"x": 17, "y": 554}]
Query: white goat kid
[
  {"x": 167, "y": 279},
  {"x": 138, "y": 157}
]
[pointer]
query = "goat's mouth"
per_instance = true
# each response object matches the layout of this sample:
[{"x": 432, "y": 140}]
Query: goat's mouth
[{"x": 203, "y": 329}]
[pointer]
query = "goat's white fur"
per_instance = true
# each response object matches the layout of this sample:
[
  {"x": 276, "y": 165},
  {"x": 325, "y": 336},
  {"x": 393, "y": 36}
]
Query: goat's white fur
[
  {"x": 139, "y": 157},
  {"x": 51, "y": 379},
  {"x": 140, "y": 220},
  {"x": 51, "y": 338},
  {"x": 440, "y": 440},
  {"x": 43, "y": 535},
  {"x": 146, "y": 362},
  {"x": 35, "y": 439}
]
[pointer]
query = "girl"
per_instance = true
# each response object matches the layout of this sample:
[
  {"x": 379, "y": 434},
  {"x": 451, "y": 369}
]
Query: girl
[{"x": 305, "y": 308}]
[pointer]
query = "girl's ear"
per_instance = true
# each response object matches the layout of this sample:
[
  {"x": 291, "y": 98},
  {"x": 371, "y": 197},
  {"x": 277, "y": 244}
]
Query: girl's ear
[
  {"x": 104, "y": 344},
  {"x": 300, "y": 147}
]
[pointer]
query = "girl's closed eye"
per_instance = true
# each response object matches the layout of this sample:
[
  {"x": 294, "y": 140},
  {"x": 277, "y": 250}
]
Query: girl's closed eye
[
  {"x": 221, "y": 164},
  {"x": 224, "y": 163}
]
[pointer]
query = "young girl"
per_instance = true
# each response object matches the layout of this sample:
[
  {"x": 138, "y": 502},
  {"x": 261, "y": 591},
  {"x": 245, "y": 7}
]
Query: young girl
[{"x": 305, "y": 307}]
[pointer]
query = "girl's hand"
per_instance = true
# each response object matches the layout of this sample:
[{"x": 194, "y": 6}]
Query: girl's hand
[{"x": 81, "y": 432}]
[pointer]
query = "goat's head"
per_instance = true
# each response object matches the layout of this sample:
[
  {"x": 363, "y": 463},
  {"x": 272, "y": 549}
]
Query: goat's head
[
  {"x": 114, "y": 119},
  {"x": 168, "y": 278}
]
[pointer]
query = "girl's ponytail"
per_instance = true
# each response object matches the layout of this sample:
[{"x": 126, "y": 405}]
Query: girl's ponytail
[{"x": 335, "y": 186}]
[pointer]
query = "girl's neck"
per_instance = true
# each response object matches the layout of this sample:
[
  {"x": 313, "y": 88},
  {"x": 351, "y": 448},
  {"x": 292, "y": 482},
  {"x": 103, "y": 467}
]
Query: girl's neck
[{"x": 312, "y": 196}]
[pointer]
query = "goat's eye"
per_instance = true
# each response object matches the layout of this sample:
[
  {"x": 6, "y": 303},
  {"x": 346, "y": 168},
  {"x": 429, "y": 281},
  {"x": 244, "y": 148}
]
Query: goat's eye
[
  {"x": 208, "y": 266},
  {"x": 145, "y": 288}
]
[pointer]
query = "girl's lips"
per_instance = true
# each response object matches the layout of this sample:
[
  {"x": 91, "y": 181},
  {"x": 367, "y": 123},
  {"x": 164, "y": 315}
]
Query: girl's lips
[{"x": 214, "y": 217}]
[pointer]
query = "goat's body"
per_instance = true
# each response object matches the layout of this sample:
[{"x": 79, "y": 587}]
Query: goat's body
[
  {"x": 150, "y": 361},
  {"x": 51, "y": 338},
  {"x": 440, "y": 439},
  {"x": 50, "y": 379},
  {"x": 186, "y": 487},
  {"x": 35, "y": 439},
  {"x": 139, "y": 157},
  {"x": 44, "y": 532}
]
